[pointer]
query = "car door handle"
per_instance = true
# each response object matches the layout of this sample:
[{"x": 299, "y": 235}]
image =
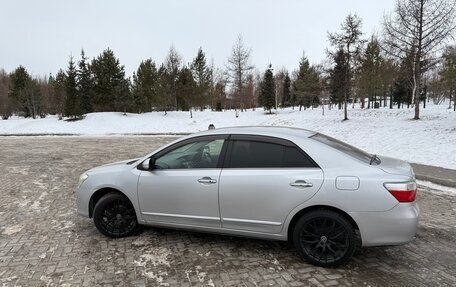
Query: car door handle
[
  {"x": 207, "y": 180},
  {"x": 301, "y": 183}
]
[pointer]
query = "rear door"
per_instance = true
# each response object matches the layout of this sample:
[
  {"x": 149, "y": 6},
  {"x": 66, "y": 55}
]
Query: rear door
[{"x": 263, "y": 179}]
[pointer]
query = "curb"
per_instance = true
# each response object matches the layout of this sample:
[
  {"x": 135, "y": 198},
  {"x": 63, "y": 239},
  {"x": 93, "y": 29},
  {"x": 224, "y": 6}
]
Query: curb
[{"x": 444, "y": 182}]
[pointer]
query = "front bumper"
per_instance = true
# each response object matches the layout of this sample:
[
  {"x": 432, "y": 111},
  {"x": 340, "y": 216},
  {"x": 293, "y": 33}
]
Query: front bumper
[
  {"x": 82, "y": 200},
  {"x": 393, "y": 227}
]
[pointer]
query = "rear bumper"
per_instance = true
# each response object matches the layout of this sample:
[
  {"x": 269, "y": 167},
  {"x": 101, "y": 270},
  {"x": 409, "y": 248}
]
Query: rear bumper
[{"x": 393, "y": 227}]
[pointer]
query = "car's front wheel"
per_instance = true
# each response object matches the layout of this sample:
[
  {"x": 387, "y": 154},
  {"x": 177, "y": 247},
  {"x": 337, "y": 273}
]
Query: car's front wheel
[
  {"x": 324, "y": 238},
  {"x": 115, "y": 216}
]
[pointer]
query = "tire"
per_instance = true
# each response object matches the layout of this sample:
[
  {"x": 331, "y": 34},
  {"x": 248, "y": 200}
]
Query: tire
[
  {"x": 324, "y": 238},
  {"x": 115, "y": 216}
]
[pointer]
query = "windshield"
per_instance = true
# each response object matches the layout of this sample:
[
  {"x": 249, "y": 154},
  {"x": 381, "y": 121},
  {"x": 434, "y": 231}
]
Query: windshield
[{"x": 347, "y": 149}]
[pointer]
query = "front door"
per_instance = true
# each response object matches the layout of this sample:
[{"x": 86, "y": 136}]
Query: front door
[{"x": 182, "y": 187}]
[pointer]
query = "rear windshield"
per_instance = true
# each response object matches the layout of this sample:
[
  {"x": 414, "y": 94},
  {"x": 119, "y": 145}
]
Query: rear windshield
[{"x": 347, "y": 149}]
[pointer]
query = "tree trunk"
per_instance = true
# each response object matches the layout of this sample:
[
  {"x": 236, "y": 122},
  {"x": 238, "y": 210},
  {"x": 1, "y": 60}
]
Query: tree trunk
[
  {"x": 451, "y": 95},
  {"x": 385, "y": 101},
  {"x": 391, "y": 97},
  {"x": 454, "y": 103},
  {"x": 417, "y": 67}
]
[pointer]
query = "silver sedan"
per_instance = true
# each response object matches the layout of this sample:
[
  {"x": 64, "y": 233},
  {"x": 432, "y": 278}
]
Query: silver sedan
[{"x": 264, "y": 182}]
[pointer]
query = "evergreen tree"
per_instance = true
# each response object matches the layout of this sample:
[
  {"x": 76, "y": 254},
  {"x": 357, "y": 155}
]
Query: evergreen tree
[
  {"x": 111, "y": 89},
  {"x": 286, "y": 99},
  {"x": 5, "y": 105},
  {"x": 307, "y": 85},
  {"x": 370, "y": 72},
  {"x": 202, "y": 77},
  {"x": 186, "y": 87},
  {"x": 350, "y": 42},
  {"x": 338, "y": 79},
  {"x": 59, "y": 92},
  {"x": 25, "y": 93},
  {"x": 402, "y": 88},
  {"x": 166, "y": 99},
  {"x": 267, "y": 94},
  {"x": 145, "y": 86},
  {"x": 448, "y": 74},
  {"x": 85, "y": 87},
  {"x": 72, "y": 105},
  {"x": 19, "y": 80}
]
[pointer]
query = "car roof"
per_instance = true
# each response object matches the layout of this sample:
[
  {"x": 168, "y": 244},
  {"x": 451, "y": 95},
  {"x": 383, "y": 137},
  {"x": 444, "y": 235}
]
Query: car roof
[{"x": 273, "y": 131}]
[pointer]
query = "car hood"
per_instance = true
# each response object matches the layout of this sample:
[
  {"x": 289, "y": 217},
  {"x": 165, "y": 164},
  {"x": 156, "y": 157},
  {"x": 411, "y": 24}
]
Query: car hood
[
  {"x": 114, "y": 165},
  {"x": 396, "y": 166}
]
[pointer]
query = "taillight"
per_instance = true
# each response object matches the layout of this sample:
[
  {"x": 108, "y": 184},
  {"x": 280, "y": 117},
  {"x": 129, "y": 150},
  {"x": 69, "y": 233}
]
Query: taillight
[{"x": 403, "y": 192}]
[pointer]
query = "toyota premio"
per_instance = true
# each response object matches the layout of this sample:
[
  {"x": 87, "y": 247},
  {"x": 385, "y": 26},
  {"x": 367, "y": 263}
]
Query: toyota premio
[{"x": 274, "y": 183}]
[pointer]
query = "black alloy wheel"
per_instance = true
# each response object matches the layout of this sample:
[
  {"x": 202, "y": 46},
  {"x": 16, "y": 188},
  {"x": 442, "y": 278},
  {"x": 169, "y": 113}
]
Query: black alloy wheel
[
  {"x": 324, "y": 238},
  {"x": 115, "y": 216}
]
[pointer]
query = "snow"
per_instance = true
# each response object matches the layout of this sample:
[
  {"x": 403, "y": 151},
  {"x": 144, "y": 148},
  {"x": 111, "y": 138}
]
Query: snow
[
  {"x": 434, "y": 188},
  {"x": 12, "y": 229},
  {"x": 431, "y": 140}
]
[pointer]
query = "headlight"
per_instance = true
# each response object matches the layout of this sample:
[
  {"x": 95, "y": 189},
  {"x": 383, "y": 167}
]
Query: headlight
[{"x": 82, "y": 178}]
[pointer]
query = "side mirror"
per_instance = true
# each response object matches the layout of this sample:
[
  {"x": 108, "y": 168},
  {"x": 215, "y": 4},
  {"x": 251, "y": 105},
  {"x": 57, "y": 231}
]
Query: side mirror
[{"x": 148, "y": 164}]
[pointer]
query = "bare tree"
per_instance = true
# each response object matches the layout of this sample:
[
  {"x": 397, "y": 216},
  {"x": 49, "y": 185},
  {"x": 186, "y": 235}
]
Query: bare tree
[
  {"x": 238, "y": 68},
  {"x": 173, "y": 63},
  {"x": 350, "y": 42},
  {"x": 420, "y": 28}
]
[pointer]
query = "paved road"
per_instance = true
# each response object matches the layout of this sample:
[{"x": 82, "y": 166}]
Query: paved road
[{"x": 43, "y": 242}]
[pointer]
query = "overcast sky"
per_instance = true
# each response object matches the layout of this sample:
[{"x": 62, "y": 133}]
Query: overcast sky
[{"x": 41, "y": 35}]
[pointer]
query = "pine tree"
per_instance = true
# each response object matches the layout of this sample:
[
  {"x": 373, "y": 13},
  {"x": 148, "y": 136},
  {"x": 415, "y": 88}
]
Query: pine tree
[
  {"x": 202, "y": 76},
  {"x": 338, "y": 79},
  {"x": 402, "y": 88},
  {"x": 350, "y": 42},
  {"x": 25, "y": 93},
  {"x": 111, "y": 89},
  {"x": 286, "y": 99},
  {"x": 448, "y": 74},
  {"x": 19, "y": 80},
  {"x": 5, "y": 105},
  {"x": 267, "y": 94},
  {"x": 186, "y": 87},
  {"x": 166, "y": 99},
  {"x": 307, "y": 85},
  {"x": 59, "y": 92},
  {"x": 85, "y": 87},
  {"x": 369, "y": 74},
  {"x": 72, "y": 105},
  {"x": 145, "y": 86}
]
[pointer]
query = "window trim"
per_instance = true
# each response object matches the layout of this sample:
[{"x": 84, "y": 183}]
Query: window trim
[
  {"x": 263, "y": 139},
  {"x": 179, "y": 144}
]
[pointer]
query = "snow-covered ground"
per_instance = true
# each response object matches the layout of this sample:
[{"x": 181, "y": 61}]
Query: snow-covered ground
[{"x": 431, "y": 140}]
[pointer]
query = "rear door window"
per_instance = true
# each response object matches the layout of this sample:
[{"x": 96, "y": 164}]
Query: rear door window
[{"x": 261, "y": 154}]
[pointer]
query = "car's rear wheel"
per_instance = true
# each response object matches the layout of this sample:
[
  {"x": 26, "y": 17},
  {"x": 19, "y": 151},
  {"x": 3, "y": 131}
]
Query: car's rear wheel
[
  {"x": 115, "y": 216},
  {"x": 324, "y": 238}
]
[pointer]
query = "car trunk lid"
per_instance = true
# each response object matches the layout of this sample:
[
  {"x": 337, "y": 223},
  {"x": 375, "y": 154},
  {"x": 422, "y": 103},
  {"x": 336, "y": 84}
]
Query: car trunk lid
[{"x": 396, "y": 166}]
